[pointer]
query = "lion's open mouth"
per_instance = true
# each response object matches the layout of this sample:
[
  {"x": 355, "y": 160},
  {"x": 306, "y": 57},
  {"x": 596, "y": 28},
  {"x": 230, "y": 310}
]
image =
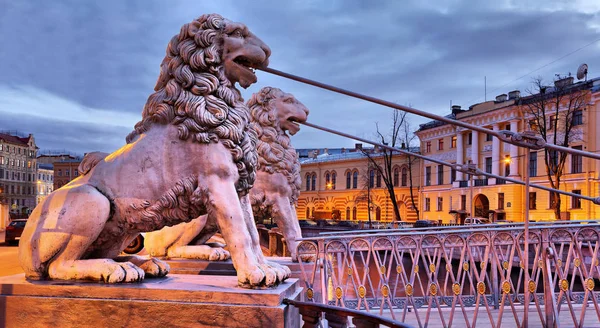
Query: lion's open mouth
[{"x": 246, "y": 64}]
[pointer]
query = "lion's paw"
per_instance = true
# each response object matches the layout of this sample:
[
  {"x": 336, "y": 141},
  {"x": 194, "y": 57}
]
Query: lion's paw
[
  {"x": 282, "y": 271},
  {"x": 123, "y": 272},
  {"x": 251, "y": 277},
  {"x": 218, "y": 254},
  {"x": 155, "y": 268}
]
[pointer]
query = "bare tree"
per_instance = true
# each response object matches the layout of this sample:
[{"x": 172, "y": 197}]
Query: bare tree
[
  {"x": 408, "y": 139},
  {"x": 365, "y": 194},
  {"x": 381, "y": 162},
  {"x": 553, "y": 112}
]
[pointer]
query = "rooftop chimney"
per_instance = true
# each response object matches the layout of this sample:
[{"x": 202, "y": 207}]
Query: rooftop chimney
[
  {"x": 358, "y": 146},
  {"x": 515, "y": 94},
  {"x": 563, "y": 82},
  {"x": 456, "y": 109},
  {"x": 501, "y": 98}
]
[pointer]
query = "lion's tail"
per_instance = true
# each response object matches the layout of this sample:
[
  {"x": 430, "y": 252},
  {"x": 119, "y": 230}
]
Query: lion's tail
[{"x": 90, "y": 160}]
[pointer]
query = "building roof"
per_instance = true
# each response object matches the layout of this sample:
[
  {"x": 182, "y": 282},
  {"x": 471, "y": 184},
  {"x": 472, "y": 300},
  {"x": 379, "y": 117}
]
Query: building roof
[
  {"x": 15, "y": 140},
  {"x": 70, "y": 160},
  {"x": 46, "y": 166},
  {"x": 328, "y": 157}
]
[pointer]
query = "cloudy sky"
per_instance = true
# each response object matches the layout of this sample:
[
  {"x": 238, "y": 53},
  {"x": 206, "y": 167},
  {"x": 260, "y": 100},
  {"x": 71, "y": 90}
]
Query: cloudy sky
[{"x": 77, "y": 73}]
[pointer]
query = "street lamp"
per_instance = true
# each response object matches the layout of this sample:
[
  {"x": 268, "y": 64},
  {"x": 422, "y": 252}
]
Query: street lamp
[{"x": 329, "y": 186}]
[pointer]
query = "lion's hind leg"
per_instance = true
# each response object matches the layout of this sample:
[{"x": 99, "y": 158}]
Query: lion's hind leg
[
  {"x": 79, "y": 222},
  {"x": 200, "y": 252}
]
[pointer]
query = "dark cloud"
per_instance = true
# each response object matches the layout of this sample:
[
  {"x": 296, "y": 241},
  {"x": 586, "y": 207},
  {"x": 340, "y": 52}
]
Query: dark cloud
[{"x": 105, "y": 55}]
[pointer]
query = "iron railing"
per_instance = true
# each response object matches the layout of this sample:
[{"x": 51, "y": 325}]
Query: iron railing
[{"x": 463, "y": 276}]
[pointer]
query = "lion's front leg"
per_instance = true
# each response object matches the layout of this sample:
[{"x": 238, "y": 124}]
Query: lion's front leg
[
  {"x": 224, "y": 205},
  {"x": 285, "y": 216},
  {"x": 282, "y": 271}
]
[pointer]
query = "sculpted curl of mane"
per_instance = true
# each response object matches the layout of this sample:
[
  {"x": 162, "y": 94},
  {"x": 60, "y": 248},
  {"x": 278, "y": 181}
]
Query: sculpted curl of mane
[
  {"x": 193, "y": 93},
  {"x": 275, "y": 152}
]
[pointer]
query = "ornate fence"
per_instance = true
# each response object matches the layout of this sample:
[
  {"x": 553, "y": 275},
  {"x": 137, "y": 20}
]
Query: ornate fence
[{"x": 461, "y": 275}]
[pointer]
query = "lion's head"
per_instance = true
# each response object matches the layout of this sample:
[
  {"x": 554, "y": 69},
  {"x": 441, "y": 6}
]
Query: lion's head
[
  {"x": 273, "y": 113},
  {"x": 196, "y": 88}
]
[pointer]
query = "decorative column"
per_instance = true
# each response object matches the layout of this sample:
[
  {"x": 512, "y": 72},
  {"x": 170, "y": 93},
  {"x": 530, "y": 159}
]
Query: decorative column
[
  {"x": 514, "y": 152},
  {"x": 459, "y": 154},
  {"x": 496, "y": 152},
  {"x": 475, "y": 149}
]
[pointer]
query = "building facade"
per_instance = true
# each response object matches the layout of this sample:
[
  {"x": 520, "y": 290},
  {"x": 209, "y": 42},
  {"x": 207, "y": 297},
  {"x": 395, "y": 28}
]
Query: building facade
[
  {"x": 45, "y": 181},
  {"x": 65, "y": 171},
  {"x": 337, "y": 183},
  {"x": 18, "y": 170},
  {"x": 447, "y": 195}
]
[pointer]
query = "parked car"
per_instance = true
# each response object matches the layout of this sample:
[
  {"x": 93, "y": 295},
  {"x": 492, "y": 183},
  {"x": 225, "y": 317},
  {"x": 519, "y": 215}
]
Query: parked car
[
  {"x": 425, "y": 224},
  {"x": 14, "y": 231},
  {"x": 476, "y": 221}
]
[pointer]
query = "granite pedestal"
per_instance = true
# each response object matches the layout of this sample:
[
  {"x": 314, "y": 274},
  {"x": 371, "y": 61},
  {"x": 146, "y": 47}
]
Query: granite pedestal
[{"x": 173, "y": 301}]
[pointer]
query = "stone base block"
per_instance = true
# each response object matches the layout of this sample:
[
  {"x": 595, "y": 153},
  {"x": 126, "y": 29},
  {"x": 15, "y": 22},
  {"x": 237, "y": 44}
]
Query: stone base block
[
  {"x": 174, "y": 301},
  {"x": 203, "y": 267}
]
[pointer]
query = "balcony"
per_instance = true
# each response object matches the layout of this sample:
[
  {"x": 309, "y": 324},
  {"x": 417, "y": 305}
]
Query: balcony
[{"x": 480, "y": 182}]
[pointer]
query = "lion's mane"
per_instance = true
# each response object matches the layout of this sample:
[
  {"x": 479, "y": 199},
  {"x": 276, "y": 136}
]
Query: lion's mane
[
  {"x": 275, "y": 152},
  {"x": 193, "y": 93}
]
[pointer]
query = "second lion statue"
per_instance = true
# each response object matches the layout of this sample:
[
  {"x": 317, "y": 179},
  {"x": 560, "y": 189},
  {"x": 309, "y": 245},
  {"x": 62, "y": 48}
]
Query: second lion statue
[
  {"x": 192, "y": 153},
  {"x": 275, "y": 192}
]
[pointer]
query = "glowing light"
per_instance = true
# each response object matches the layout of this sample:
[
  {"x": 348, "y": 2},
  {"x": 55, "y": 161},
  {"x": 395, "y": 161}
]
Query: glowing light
[
  {"x": 329, "y": 185},
  {"x": 507, "y": 160}
]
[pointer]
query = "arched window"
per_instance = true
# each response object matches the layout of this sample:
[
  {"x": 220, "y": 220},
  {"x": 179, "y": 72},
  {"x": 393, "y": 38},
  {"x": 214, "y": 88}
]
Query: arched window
[
  {"x": 378, "y": 213},
  {"x": 314, "y": 181},
  {"x": 378, "y": 179},
  {"x": 327, "y": 180},
  {"x": 355, "y": 180},
  {"x": 307, "y": 212},
  {"x": 396, "y": 177},
  {"x": 347, "y": 213},
  {"x": 307, "y": 182},
  {"x": 354, "y": 213},
  {"x": 333, "y": 179},
  {"x": 372, "y": 178},
  {"x": 348, "y": 179},
  {"x": 404, "y": 177}
]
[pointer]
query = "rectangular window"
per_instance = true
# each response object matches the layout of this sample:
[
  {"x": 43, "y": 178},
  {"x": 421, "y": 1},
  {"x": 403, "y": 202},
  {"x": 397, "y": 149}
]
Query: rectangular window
[
  {"x": 507, "y": 127},
  {"x": 378, "y": 179},
  {"x": 59, "y": 172},
  {"x": 428, "y": 176},
  {"x": 76, "y": 173},
  {"x": 440, "y": 174},
  {"x": 507, "y": 161},
  {"x": 470, "y": 139},
  {"x": 533, "y": 164},
  {"x": 453, "y": 142},
  {"x": 501, "y": 201},
  {"x": 577, "y": 162},
  {"x": 428, "y": 147},
  {"x": 577, "y": 117},
  {"x": 452, "y": 175},
  {"x": 552, "y": 122},
  {"x": 532, "y": 201},
  {"x": 440, "y": 203},
  {"x": 576, "y": 201},
  {"x": 463, "y": 202},
  {"x": 68, "y": 173},
  {"x": 488, "y": 165},
  {"x": 29, "y": 164},
  {"x": 441, "y": 144},
  {"x": 427, "y": 205},
  {"x": 488, "y": 137}
]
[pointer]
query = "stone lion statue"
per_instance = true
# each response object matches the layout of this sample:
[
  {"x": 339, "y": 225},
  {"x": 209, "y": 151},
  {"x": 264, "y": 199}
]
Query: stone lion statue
[
  {"x": 193, "y": 152},
  {"x": 275, "y": 192}
]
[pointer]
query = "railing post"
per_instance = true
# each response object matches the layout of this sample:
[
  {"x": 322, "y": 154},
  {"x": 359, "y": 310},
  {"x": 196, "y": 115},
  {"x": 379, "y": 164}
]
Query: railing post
[
  {"x": 550, "y": 307},
  {"x": 495, "y": 283}
]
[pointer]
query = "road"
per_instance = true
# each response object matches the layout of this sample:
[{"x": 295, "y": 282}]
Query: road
[{"x": 9, "y": 264}]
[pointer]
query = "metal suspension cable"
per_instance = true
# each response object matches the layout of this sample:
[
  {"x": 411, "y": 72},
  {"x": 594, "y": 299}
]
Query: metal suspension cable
[
  {"x": 462, "y": 168},
  {"x": 532, "y": 142}
]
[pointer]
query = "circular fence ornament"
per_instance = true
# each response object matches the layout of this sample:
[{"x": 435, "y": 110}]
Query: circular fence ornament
[
  {"x": 448, "y": 268},
  {"x": 338, "y": 292},
  {"x": 559, "y": 263},
  {"x": 409, "y": 289},
  {"x": 481, "y": 288},
  {"x": 398, "y": 269},
  {"x": 564, "y": 285},
  {"x": 482, "y": 265},
  {"x": 385, "y": 290},
  {"x": 596, "y": 262},
  {"x": 433, "y": 289},
  {"x": 466, "y": 266},
  {"x": 506, "y": 287},
  {"x": 540, "y": 263},
  {"x": 349, "y": 271},
  {"x": 532, "y": 286},
  {"x": 432, "y": 267},
  {"x": 456, "y": 288},
  {"x": 416, "y": 270},
  {"x": 310, "y": 293},
  {"x": 589, "y": 284},
  {"x": 362, "y": 292},
  {"x": 382, "y": 269},
  {"x": 505, "y": 265},
  {"x": 577, "y": 262}
]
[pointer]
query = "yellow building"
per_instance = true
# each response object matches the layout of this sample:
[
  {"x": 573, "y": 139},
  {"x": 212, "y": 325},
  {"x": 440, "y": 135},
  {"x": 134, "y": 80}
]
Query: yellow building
[
  {"x": 446, "y": 195},
  {"x": 336, "y": 183}
]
